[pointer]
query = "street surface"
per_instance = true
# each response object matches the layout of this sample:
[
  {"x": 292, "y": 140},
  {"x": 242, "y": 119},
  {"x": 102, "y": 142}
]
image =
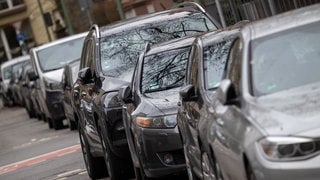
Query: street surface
[{"x": 30, "y": 150}]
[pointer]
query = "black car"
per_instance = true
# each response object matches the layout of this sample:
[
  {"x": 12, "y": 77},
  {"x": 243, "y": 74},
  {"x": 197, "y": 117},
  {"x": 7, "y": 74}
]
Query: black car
[
  {"x": 107, "y": 62},
  {"x": 14, "y": 85},
  {"x": 69, "y": 77},
  {"x": 151, "y": 107},
  {"x": 205, "y": 71},
  {"x": 26, "y": 86}
]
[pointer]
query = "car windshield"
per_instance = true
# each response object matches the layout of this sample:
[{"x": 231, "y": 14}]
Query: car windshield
[
  {"x": 286, "y": 60},
  {"x": 119, "y": 52},
  {"x": 7, "y": 72},
  {"x": 17, "y": 69},
  {"x": 214, "y": 61},
  {"x": 164, "y": 70},
  {"x": 55, "y": 57}
]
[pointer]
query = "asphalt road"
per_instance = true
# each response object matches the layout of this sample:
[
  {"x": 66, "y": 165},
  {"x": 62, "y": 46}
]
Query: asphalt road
[{"x": 30, "y": 150}]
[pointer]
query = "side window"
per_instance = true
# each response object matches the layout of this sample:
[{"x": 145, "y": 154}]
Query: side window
[{"x": 234, "y": 64}]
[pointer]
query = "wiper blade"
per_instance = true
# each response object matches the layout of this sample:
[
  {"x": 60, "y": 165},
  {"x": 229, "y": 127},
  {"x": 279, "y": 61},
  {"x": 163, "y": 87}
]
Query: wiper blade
[{"x": 162, "y": 88}]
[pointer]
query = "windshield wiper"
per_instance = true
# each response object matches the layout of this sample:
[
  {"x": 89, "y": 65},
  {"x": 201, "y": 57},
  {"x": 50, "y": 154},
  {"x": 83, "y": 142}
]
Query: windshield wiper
[{"x": 162, "y": 88}]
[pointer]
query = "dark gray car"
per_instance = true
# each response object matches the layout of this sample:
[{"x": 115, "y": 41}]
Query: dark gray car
[{"x": 151, "y": 107}]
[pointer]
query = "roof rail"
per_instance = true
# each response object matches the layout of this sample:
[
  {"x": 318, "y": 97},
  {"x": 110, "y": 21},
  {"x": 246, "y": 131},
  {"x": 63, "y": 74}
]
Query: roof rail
[
  {"x": 193, "y": 4},
  {"x": 95, "y": 27}
]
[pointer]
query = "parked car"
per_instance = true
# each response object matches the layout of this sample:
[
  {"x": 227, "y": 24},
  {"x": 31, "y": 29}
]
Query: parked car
[
  {"x": 151, "y": 107},
  {"x": 69, "y": 76},
  {"x": 107, "y": 62},
  {"x": 266, "y": 123},
  {"x": 205, "y": 70},
  {"x": 6, "y": 77},
  {"x": 25, "y": 87},
  {"x": 48, "y": 61}
]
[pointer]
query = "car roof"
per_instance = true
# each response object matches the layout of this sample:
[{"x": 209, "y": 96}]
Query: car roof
[
  {"x": 138, "y": 21},
  {"x": 284, "y": 21},
  {"x": 59, "y": 41},
  {"x": 221, "y": 34},
  {"x": 15, "y": 61}
]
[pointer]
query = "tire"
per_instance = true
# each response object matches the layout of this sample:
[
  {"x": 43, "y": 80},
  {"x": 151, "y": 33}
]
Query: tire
[
  {"x": 57, "y": 123},
  {"x": 72, "y": 124},
  {"x": 118, "y": 168},
  {"x": 95, "y": 166},
  {"x": 50, "y": 124}
]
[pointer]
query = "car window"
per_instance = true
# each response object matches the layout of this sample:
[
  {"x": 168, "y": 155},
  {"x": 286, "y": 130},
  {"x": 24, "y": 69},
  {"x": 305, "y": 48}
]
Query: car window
[
  {"x": 119, "y": 52},
  {"x": 164, "y": 70},
  {"x": 234, "y": 65},
  {"x": 56, "y": 56},
  {"x": 7, "y": 72},
  {"x": 214, "y": 61},
  {"x": 286, "y": 59}
]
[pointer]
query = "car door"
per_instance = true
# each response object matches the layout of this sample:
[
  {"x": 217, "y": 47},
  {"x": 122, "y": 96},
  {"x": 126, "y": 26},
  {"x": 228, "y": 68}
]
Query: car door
[
  {"x": 191, "y": 113},
  {"x": 231, "y": 125},
  {"x": 86, "y": 94}
]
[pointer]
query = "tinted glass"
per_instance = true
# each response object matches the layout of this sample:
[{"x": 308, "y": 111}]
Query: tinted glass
[
  {"x": 17, "y": 69},
  {"x": 120, "y": 52},
  {"x": 7, "y": 72},
  {"x": 164, "y": 70},
  {"x": 55, "y": 57},
  {"x": 214, "y": 61},
  {"x": 286, "y": 60}
]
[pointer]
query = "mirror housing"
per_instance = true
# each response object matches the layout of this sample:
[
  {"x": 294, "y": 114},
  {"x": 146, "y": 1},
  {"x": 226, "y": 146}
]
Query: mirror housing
[
  {"x": 188, "y": 93},
  {"x": 125, "y": 94},
  {"x": 85, "y": 75},
  {"x": 226, "y": 93},
  {"x": 32, "y": 75}
]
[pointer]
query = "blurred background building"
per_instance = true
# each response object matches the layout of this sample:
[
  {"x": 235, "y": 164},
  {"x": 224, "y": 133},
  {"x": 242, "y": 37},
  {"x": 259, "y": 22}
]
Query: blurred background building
[{"x": 28, "y": 23}]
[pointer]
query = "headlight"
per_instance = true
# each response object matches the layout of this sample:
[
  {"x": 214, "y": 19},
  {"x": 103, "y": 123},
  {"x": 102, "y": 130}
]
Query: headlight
[
  {"x": 289, "y": 148},
  {"x": 52, "y": 85},
  {"x": 157, "y": 122}
]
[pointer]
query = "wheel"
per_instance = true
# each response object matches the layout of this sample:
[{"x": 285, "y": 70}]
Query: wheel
[
  {"x": 188, "y": 166},
  {"x": 50, "y": 124},
  {"x": 95, "y": 166},
  {"x": 57, "y": 123},
  {"x": 72, "y": 124},
  {"x": 118, "y": 168}
]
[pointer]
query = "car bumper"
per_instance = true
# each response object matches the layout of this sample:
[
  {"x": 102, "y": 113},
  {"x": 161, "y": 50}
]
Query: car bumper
[
  {"x": 156, "y": 147},
  {"x": 54, "y": 104},
  {"x": 308, "y": 169}
]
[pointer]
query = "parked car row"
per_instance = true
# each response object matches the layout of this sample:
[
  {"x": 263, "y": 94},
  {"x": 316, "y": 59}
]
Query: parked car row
[{"x": 174, "y": 93}]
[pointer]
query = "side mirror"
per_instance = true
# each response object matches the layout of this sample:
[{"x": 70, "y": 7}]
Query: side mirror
[
  {"x": 125, "y": 94},
  {"x": 226, "y": 93},
  {"x": 85, "y": 75},
  {"x": 188, "y": 93},
  {"x": 32, "y": 75}
]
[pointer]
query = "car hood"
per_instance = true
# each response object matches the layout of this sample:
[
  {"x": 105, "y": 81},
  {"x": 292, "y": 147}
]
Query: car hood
[
  {"x": 290, "y": 112},
  {"x": 55, "y": 75},
  {"x": 113, "y": 84},
  {"x": 160, "y": 103}
]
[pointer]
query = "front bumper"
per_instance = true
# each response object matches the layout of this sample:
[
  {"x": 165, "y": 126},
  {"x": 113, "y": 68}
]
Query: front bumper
[
  {"x": 264, "y": 169},
  {"x": 54, "y": 104},
  {"x": 155, "y": 147}
]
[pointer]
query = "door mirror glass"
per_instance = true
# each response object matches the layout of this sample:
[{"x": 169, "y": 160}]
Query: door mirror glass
[
  {"x": 85, "y": 75},
  {"x": 125, "y": 94},
  {"x": 188, "y": 93}
]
